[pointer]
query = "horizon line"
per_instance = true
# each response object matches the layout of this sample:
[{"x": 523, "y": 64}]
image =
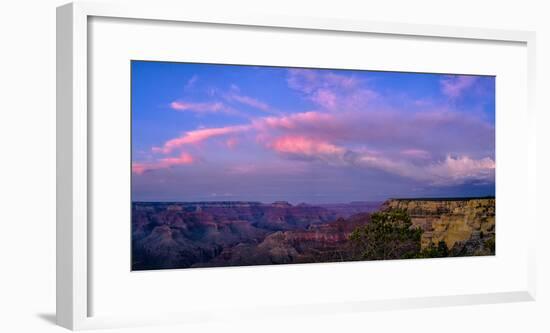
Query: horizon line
[{"x": 455, "y": 198}]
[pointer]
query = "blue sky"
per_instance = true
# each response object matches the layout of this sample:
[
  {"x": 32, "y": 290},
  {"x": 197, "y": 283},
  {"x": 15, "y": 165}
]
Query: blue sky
[{"x": 226, "y": 132}]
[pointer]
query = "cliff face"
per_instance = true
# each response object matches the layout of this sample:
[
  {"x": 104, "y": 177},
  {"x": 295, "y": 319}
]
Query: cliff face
[{"x": 463, "y": 224}]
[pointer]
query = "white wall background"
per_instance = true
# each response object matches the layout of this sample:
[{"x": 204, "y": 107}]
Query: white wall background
[{"x": 27, "y": 166}]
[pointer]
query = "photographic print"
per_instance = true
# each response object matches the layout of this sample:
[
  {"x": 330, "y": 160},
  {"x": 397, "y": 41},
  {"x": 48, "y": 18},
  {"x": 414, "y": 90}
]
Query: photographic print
[{"x": 238, "y": 165}]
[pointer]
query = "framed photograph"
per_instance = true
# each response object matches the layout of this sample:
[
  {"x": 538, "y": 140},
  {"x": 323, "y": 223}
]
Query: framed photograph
[{"x": 221, "y": 165}]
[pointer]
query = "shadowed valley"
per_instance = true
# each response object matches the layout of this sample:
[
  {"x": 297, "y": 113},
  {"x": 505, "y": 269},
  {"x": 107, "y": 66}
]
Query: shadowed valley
[{"x": 217, "y": 234}]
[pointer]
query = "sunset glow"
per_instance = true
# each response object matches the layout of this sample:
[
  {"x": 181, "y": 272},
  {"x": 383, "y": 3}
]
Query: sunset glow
[{"x": 205, "y": 132}]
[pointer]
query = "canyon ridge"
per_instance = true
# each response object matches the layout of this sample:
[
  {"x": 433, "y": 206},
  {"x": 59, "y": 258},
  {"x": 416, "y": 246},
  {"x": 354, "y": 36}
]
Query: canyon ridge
[{"x": 214, "y": 234}]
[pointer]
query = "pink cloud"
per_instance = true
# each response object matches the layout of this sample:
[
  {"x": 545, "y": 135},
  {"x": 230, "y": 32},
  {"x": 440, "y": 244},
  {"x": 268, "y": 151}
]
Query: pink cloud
[
  {"x": 250, "y": 101},
  {"x": 325, "y": 98},
  {"x": 306, "y": 147},
  {"x": 419, "y": 154},
  {"x": 358, "y": 100},
  {"x": 450, "y": 171},
  {"x": 459, "y": 169},
  {"x": 342, "y": 81},
  {"x": 376, "y": 161},
  {"x": 294, "y": 121},
  {"x": 454, "y": 86},
  {"x": 331, "y": 91},
  {"x": 308, "y": 81},
  {"x": 139, "y": 168},
  {"x": 263, "y": 125},
  {"x": 311, "y": 136},
  {"x": 184, "y": 158},
  {"x": 372, "y": 129},
  {"x": 206, "y": 107},
  {"x": 231, "y": 143},
  {"x": 163, "y": 163},
  {"x": 234, "y": 95},
  {"x": 197, "y": 136},
  {"x": 303, "y": 80}
]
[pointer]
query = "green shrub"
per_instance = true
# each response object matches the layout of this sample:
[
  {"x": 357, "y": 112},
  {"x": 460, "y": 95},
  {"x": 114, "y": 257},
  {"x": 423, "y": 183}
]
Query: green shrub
[
  {"x": 389, "y": 235},
  {"x": 432, "y": 251}
]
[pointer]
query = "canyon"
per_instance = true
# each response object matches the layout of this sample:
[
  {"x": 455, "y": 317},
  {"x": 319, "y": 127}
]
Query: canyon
[{"x": 238, "y": 233}]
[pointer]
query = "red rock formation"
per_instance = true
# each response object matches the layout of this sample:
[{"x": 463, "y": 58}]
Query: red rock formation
[{"x": 167, "y": 235}]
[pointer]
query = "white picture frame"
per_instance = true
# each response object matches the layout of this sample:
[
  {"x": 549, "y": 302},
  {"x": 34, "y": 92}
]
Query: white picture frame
[{"x": 73, "y": 253}]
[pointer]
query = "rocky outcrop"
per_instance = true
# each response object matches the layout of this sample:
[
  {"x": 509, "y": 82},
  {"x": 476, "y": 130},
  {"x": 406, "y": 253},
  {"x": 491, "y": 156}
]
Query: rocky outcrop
[{"x": 466, "y": 225}]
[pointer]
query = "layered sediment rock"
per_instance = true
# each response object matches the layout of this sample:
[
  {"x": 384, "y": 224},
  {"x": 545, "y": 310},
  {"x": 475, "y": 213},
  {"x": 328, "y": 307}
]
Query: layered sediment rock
[
  {"x": 466, "y": 225},
  {"x": 326, "y": 242},
  {"x": 177, "y": 235},
  {"x": 199, "y": 234}
]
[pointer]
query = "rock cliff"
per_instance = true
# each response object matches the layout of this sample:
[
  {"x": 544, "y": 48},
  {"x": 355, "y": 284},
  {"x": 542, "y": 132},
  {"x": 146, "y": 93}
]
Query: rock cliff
[{"x": 466, "y": 225}]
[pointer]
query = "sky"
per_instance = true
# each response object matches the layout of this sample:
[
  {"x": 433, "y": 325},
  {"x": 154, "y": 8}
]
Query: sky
[{"x": 207, "y": 132}]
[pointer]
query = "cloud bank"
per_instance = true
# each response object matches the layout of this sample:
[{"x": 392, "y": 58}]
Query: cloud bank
[{"x": 349, "y": 124}]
